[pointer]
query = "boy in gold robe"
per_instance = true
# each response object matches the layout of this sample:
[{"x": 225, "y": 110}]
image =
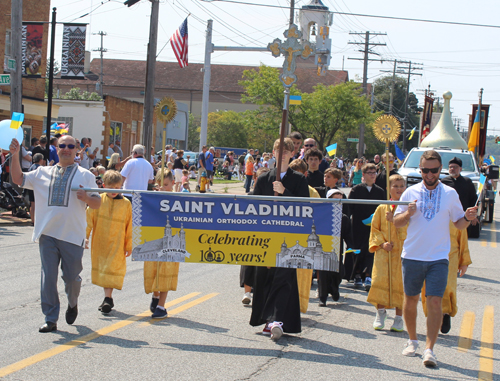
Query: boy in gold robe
[
  {"x": 387, "y": 284},
  {"x": 458, "y": 261},
  {"x": 111, "y": 227},
  {"x": 161, "y": 277}
]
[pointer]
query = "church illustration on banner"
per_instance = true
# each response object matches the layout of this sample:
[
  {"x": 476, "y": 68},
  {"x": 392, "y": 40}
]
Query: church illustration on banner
[
  {"x": 311, "y": 256},
  {"x": 169, "y": 248}
]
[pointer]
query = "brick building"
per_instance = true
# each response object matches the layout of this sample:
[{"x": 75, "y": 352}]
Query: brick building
[{"x": 35, "y": 107}]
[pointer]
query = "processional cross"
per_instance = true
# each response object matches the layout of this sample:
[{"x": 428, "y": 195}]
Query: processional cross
[{"x": 291, "y": 49}]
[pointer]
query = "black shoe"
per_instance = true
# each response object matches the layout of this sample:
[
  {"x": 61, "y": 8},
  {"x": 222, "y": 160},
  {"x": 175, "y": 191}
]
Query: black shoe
[
  {"x": 48, "y": 327},
  {"x": 336, "y": 295},
  {"x": 106, "y": 305},
  {"x": 446, "y": 326},
  {"x": 71, "y": 314},
  {"x": 154, "y": 304}
]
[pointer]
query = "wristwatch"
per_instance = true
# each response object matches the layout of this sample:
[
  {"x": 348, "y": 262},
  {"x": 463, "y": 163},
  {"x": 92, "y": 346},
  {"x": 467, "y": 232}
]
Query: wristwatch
[{"x": 465, "y": 218}]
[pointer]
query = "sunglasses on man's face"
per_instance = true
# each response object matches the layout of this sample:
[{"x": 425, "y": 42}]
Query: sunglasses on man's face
[
  {"x": 308, "y": 145},
  {"x": 70, "y": 146},
  {"x": 431, "y": 170}
]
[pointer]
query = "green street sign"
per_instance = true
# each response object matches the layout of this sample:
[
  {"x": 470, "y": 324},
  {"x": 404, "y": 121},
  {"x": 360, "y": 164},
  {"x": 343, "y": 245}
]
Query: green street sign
[
  {"x": 4, "y": 79},
  {"x": 353, "y": 140},
  {"x": 11, "y": 64}
]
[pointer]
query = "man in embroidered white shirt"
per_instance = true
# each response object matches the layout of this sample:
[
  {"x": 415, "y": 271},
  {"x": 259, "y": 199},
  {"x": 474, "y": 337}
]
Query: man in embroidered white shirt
[
  {"x": 60, "y": 223},
  {"x": 426, "y": 248}
]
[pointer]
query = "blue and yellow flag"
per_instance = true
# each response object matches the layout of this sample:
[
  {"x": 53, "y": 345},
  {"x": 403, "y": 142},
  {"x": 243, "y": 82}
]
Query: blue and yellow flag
[
  {"x": 412, "y": 132},
  {"x": 474, "y": 134},
  {"x": 295, "y": 99},
  {"x": 17, "y": 120},
  {"x": 332, "y": 149},
  {"x": 368, "y": 221},
  {"x": 482, "y": 180},
  {"x": 354, "y": 251},
  {"x": 492, "y": 159}
]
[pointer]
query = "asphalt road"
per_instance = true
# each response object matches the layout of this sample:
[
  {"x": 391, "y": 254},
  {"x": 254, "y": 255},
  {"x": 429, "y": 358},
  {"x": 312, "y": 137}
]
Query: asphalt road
[{"x": 207, "y": 335}]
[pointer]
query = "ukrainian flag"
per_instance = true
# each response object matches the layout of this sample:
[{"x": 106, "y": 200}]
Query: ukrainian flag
[
  {"x": 474, "y": 134},
  {"x": 295, "y": 99},
  {"x": 492, "y": 159},
  {"x": 482, "y": 180},
  {"x": 332, "y": 149},
  {"x": 17, "y": 120},
  {"x": 412, "y": 132},
  {"x": 368, "y": 221},
  {"x": 353, "y": 251}
]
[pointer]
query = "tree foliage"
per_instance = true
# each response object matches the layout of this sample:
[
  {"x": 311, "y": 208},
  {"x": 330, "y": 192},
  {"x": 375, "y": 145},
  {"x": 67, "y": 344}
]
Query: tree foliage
[
  {"x": 74, "y": 93},
  {"x": 227, "y": 129},
  {"x": 193, "y": 133},
  {"x": 323, "y": 114}
]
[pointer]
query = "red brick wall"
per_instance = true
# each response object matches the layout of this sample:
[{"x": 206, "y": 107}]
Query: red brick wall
[
  {"x": 123, "y": 111},
  {"x": 33, "y": 10}
]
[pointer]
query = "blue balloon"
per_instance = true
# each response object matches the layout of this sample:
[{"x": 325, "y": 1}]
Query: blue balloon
[{"x": 7, "y": 134}]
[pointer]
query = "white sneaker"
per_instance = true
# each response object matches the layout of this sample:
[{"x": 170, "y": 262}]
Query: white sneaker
[
  {"x": 379, "y": 322},
  {"x": 429, "y": 358},
  {"x": 398, "y": 325},
  {"x": 410, "y": 349},
  {"x": 276, "y": 330},
  {"x": 247, "y": 298}
]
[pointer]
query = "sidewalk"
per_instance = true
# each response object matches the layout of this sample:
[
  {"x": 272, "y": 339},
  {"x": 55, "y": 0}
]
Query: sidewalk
[{"x": 6, "y": 218}]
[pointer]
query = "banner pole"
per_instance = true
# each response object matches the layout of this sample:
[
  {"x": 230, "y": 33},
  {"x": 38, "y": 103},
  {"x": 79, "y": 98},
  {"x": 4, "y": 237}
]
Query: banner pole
[
  {"x": 387, "y": 174},
  {"x": 282, "y": 135}
]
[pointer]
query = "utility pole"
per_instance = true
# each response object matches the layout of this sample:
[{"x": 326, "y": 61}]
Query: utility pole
[
  {"x": 409, "y": 70},
  {"x": 102, "y": 50},
  {"x": 16, "y": 84},
  {"x": 392, "y": 86},
  {"x": 366, "y": 51},
  {"x": 207, "y": 71},
  {"x": 149, "y": 101}
]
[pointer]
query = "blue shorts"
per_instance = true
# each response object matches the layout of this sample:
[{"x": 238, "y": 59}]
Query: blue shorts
[{"x": 434, "y": 273}]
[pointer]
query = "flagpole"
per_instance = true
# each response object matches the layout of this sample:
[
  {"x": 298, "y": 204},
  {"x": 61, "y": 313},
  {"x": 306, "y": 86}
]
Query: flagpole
[{"x": 477, "y": 148}]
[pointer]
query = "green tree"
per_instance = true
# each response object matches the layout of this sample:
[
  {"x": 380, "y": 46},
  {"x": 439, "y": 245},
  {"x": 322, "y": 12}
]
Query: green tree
[
  {"x": 193, "y": 133},
  {"x": 74, "y": 93},
  {"x": 227, "y": 129},
  {"x": 330, "y": 109},
  {"x": 382, "y": 96}
]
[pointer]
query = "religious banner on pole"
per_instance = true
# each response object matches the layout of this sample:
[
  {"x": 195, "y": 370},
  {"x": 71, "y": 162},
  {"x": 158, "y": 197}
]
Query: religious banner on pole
[
  {"x": 426, "y": 119},
  {"x": 73, "y": 51},
  {"x": 237, "y": 231},
  {"x": 32, "y": 52}
]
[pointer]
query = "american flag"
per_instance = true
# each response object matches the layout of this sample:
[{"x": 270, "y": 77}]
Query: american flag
[{"x": 179, "y": 42}]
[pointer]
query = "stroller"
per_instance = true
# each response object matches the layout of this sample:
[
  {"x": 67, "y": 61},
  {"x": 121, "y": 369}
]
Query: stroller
[{"x": 10, "y": 199}]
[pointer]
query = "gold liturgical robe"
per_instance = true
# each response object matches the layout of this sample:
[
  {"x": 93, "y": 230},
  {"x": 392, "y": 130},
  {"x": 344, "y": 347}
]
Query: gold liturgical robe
[
  {"x": 167, "y": 273},
  {"x": 459, "y": 256},
  {"x": 111, "y": 227},
  {"x": 381, "y": 292}
]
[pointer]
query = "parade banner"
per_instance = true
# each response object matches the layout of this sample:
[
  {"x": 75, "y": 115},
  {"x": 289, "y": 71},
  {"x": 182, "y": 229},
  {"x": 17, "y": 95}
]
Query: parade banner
[
  {"x": 244, "y": 231},
  {"x": 32, "y": 53},
  {"x": 426, "y": 118},
  {"x": 73, "y": 51}
]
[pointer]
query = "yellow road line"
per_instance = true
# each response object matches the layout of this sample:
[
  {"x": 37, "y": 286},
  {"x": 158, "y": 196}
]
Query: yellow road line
[
  {"x": 486, "y": 352},
  {"x": 69, "y": 345},
  {"x": 484, "y": 243},
  {"x": 17, "y": 366},
  {"x": 466, "y": 330},
  {"x": 493, "y": 238},
  {"x": 173, "y": 303},
  {"x": 183, "y": 307}
]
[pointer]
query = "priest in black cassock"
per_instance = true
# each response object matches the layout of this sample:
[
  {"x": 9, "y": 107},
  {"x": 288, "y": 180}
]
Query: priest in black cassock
[
  {"x": 359, "y": 266},
  {"x": 276, "y": 300}
]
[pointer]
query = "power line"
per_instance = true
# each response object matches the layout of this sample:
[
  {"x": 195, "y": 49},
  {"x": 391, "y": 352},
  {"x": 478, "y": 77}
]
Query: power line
[{"x": 365, "y": 15}]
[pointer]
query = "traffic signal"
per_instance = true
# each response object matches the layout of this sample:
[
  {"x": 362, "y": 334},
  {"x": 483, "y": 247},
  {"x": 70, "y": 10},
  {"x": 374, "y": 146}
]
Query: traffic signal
[
  {"x": 497, "y": 140},
  {"x": 129, "y": 3}
]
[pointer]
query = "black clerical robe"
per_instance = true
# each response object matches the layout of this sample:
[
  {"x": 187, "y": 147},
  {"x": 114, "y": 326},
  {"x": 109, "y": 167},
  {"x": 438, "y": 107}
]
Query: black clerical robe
[
  {"x": 316, "y": 179},
  {"x": 381, "y": 180},
  {"x": 363, "y": 262},
  {"x": 465, "y": 189},
  {"x": 275, "y": 290}
]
